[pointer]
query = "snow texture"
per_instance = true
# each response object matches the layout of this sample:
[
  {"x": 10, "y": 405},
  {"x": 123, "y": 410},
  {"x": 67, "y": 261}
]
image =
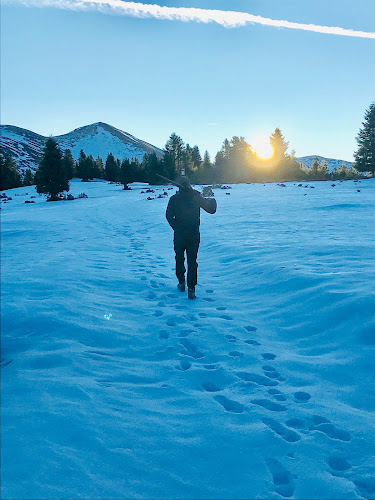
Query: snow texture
[{"x": 115, "y": 385}]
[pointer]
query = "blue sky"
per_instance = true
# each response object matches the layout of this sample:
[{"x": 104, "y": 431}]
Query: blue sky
[{"x": 62, "y": 69}]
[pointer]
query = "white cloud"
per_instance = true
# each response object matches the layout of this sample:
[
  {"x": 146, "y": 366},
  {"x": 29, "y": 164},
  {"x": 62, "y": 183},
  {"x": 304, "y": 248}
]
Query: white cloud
[{"x": 228, "y": 19}]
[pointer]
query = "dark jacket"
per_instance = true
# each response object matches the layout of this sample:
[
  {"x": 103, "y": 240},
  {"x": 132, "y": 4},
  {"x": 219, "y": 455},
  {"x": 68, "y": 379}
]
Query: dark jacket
[{"x": 183, "y": 211}]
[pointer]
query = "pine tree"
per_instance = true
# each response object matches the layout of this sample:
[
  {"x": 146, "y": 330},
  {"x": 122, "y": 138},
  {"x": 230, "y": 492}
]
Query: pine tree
[
  {"x": 81, "y": 166},
  {"x": 28, "y": 178},
  {"x": 279, "y": 145},
  {"x": 174, "y": 156},
  {"x": 313, "y": 173},
  {"x": 323, "y": 172},
  {"x": 365, "y": 156},
  {"x": 51, "y": 178},
  {"x": 196, "y": 156},
  {"x": 99, "y": 168},
  {"x": 152, "y": 166},
  {"x": 126, "y": 174},
  {"x": 112, "y": 170},
  {"x": 10, "y": 177},
  {"x": 69, "y": 163}
]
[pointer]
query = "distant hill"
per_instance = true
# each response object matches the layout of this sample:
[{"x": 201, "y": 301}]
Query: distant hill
[
  {"x": 332, "y": 163},
  {"x": 97, "y": 139}
]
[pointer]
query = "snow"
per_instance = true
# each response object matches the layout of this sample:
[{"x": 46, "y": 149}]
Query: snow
[
  {"x": 331, "y": 162},
  {"x": 114, "y": 385},
  {"x": 100, "y": 144}
]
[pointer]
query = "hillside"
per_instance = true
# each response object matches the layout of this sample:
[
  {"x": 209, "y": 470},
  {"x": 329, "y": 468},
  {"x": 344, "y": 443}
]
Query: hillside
[
  {"x": 331, "y": 162},
  {"x": 97, "y": 139}
]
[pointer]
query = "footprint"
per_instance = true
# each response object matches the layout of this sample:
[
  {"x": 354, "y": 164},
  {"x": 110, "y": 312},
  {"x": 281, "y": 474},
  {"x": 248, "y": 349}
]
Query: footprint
[
  {"x": 209, "y": 291},
  {"x": 317, "y": 419},
  {"x": 282, "y": 478},
  {"x": 257, "y": 379},
  {"x": 208, "y": 299},
  {"x": 268, "y": 355},
  {"x": 211, "y": 367},
  {"x": 296, "y": 423},
  {"x": 225, "y": 316},
  {"x": 366, "y": 486},
  {"x": 332, "y": 431},
  {"x": 236, "y": 354},
  {"x": 158, "y": 313},
  {"x": 281, "y": 430},
  {"x": 338, "y": 464},
  {"x": 184, "y": 365},
  {"x": 302, "y": 397},
  {"x": 221, "y": 309},
  {"x": 230, "y": 405},
  {"x": 268, "y": 405},
  {"x": 211, "y": 387},
  {"x": 191, "y": 349},
  {"x": 171, "y": 322},
  {"x": 231, "y": 338},
  {"x": 251, "y": 328},
  {"x": 163, "y": 335},
  {"x": 185, "y": 333},
  {"x": 151, "y": 296},
  {"x": 270, "y": 372},
  {"x": 251, "y": 342}
]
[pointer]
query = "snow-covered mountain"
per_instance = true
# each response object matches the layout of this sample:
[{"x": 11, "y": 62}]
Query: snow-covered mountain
[
  {"x": 97, "y": 139},
  {"x": 331, "y": 162}
]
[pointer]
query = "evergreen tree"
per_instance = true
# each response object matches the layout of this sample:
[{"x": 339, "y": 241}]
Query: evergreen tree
[
  {"x": 69, "y": 164},
  {"x": 112, "y": 170},
  {"x": 81, "y": 166},
  {"x": 207, "y": 169},
  {"x": 313, "y": 173},
  {"x": 342, "y": 172},
  {"x": 99, "y": 168},
  {"x": 279, "y": 145},
  {"x": 10, "y": 178},
  {"x": 126, "y": 174},
  {"x": 51, "y": 178},
  {"x": 135, "y": 170},
  {"x": 365, "y": 156},
  {"x": 323, "y": 172},
  {"x": 196, "y": 156},
  {"x": 174, "y": 156},
  {"x": 90, "y": 167},
  {"x": 152, "y": 166},
  {"x": 28, "y": 178}
]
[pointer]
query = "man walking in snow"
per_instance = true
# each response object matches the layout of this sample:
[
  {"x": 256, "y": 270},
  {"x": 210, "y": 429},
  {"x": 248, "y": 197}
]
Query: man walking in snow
[{"x": 183, "y": 215}]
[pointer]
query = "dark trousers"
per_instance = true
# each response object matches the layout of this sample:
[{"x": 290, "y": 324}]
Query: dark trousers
[{"x": 190, "y": 244}]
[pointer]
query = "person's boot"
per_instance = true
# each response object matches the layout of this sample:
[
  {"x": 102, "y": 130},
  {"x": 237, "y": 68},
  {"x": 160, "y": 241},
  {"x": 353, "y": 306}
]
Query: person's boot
[
  {"x": 181, "y": 286},
  {"x": 191, "y": 293}
]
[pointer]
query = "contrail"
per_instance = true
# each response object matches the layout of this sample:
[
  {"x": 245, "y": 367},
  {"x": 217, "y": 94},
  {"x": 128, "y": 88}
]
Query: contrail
[{"x": 228, "y": 19}]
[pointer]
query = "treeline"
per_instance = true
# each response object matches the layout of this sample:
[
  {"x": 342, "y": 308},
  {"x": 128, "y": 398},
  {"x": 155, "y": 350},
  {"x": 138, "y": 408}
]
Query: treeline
[{"x": 235, "y": 162}]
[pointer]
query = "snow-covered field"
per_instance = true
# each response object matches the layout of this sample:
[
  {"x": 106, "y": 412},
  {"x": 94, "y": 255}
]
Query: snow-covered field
[{"x": 114, "y": 385}]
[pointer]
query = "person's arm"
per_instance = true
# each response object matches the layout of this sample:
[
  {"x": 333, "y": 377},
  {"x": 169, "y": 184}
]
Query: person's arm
[
  {"x": 208, "y": 204},
  {"x": 170, "y": 213}
]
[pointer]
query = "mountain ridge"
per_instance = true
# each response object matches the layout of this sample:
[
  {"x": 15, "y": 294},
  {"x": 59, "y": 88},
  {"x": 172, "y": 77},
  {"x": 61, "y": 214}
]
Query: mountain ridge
[{"x": 96, "y": 139}]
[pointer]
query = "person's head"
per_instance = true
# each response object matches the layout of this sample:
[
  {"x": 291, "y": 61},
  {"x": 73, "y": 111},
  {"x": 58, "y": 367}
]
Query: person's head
[{"x": 184, "y": 182}]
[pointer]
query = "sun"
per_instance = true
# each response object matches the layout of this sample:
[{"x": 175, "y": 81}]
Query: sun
[{"x": 262, "y": 147}]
